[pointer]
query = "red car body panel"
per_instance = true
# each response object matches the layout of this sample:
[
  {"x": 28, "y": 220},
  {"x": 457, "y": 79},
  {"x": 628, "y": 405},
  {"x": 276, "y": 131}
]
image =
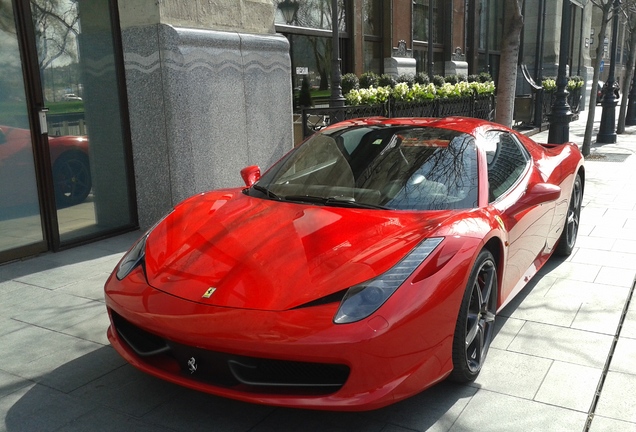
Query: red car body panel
[{"x": 272, "y": 263}]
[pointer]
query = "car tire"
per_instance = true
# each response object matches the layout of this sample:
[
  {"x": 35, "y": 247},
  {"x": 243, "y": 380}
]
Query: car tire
[
  {"x": 71, "y": 179},
  {"x": 566, "y": 243},
  {"x": 475, "y": 323}
]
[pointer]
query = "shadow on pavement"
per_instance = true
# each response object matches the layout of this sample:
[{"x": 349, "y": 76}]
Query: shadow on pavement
[{"x": 99, "y": 392}]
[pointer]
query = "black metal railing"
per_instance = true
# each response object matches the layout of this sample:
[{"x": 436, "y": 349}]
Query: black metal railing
[
  {"x": 574, "y": 100},
  {"x": 479, "y": 106}
]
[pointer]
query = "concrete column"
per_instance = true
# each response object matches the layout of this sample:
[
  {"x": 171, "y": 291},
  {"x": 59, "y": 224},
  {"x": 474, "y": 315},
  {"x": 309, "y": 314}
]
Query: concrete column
[{"x": 209, "y": 88}]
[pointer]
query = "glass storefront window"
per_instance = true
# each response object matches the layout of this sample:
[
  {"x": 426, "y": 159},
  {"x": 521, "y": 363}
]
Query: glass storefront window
[
  {"x": 20, "y": 222},
  {"x": 315, "y": 14},
  {"x": 77, "y": 65},
  {"x": 311, "y": 54}
]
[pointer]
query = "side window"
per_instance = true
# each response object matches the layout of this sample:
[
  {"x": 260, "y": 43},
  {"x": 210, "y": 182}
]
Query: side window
[{"x": 507, "y": 160}]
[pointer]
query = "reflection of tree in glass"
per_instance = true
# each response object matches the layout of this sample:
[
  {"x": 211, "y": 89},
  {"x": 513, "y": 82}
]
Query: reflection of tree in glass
[
  {"x": 316, "y": 14},
  {"x": 415, "y": 175},
  {"x": 6, "y": 17},
  {"x": 56, "y": 25},
  {"x": 443, "y": 178}
]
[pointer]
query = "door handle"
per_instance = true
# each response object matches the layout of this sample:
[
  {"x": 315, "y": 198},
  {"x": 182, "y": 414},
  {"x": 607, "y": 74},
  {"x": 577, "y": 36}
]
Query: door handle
[{"x": 44, "y": 127}]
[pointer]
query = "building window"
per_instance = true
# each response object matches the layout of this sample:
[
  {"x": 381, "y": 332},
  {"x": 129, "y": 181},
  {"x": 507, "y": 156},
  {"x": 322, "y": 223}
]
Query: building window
[
  {"x": 372, "y": 29},
  {"x": 314, "y": 14},
  {"x": 372, "y": 17},
  {"x": 421, "y": 20},
  {"x": 311, "y": 58},
  {"x": 491, "y": 24},
  {"x": 307, "y": 26},
  {"x": 420, "y": 54}
]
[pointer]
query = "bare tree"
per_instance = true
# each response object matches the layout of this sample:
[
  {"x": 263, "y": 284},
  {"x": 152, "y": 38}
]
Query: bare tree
[
  {"x": 56, "y": 26},
  {"x": 606, "y": 7},
  {"x": 629, "y": 11},
  {"x": 507, "y": 83}
]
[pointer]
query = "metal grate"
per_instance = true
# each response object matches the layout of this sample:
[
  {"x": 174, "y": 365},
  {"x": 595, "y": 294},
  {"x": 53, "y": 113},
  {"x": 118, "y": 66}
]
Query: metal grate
[{"x": 607, "y": 157}]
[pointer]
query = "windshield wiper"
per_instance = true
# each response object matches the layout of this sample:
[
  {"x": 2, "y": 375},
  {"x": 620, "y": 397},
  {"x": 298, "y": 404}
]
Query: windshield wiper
[
  {"x": 335, "y": 201},
  {"x": 266, "y": 191}
]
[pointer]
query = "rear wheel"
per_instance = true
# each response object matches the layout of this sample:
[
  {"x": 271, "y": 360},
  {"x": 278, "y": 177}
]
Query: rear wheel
[
  {"x": 476, "y": 320},
  {"x": 571, "y": 226}
]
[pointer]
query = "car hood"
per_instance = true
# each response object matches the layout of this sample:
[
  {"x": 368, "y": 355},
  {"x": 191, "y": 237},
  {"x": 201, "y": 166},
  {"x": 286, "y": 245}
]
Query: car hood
[{"x": 253, "y": 253}]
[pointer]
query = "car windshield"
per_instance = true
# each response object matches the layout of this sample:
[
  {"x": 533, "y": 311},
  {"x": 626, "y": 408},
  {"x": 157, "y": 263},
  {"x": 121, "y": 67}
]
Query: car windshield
[{"x": 405, "y": 168}]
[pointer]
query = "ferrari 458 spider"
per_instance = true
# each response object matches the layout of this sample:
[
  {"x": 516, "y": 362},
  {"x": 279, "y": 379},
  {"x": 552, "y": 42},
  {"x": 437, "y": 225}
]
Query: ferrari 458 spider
[{"x": 363, "y": 267}]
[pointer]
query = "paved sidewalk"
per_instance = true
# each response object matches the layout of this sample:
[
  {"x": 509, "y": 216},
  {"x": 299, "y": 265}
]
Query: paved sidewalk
[{"x": 550, "y": 354}]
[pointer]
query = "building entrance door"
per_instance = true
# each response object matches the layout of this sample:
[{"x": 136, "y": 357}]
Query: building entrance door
[
  {"x": 21, "y": 223},
  {"x": 64, "y": 164}
]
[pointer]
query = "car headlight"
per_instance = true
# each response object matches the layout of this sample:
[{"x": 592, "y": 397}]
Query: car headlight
[
  {"x": 133, "y": 258},
  {"x": 362, "y": 300},
  {"x": 137, "y": 253}
]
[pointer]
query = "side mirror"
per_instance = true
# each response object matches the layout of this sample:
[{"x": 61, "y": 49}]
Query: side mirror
[
  {"x": 538, "y": 193},
  {"x": 251, "y": 174}
]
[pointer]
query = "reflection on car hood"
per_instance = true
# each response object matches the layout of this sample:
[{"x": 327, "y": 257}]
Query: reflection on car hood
[{"x": 262, "y": 254}]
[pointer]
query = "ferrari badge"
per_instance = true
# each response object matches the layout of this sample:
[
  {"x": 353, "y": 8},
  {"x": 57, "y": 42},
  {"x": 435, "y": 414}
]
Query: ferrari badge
[
  {"x": 209, "y": 292},
  {"x": 192, "y": 365}
]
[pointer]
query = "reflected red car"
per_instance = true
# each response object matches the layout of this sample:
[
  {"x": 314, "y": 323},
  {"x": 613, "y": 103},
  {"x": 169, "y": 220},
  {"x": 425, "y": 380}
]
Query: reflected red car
[
  {"x": 366, "y": 265},
  {"x": 69, "y": 161}
]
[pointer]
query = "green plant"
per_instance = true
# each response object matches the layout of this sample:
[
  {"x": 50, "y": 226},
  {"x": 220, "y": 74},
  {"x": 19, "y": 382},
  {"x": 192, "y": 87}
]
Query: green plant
[
  {"x": 575, "y": 82},
  {"x": 349, "y": 82},
  {"x": 549, "y": 84},
  {"x": 485, "y": 77},
  {"x": 438, "y": 80},
  {"x": 304, "y": 98},
  {"x": 402, "y": 92},
  {"x": 406, "y": 78},
  {"x": 472, "y": 78},
  {"x": 451, "y": 79},
  {"x": 422, "y": 79},
  {"x": 368, "y": 80},
  {"x": 423, "y": 92},
  {"x": 387, "y": 80},
  {"x": 368, "y": 96},
  {"x": 462, "y": 78}
]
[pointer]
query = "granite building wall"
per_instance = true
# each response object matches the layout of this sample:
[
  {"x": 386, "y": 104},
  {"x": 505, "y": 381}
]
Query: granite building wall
[{"x": 203, "y": 103}]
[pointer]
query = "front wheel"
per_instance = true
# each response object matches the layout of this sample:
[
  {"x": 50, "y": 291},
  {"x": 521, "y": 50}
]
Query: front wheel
[
  {"x": 71, "y": 179},
  {"x": 571, "y": 226},
  {"x": 476, "y": 320}
]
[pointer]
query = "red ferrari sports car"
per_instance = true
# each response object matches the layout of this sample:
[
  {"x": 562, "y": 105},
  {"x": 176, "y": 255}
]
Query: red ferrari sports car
[{"x": 363, "y": 267}]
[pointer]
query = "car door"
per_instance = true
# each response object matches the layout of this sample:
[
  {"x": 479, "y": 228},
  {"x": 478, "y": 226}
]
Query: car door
[{"x": 510, "y": 174}]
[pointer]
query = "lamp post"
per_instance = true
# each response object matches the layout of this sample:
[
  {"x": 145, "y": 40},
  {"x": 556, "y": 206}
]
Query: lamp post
[
  {"x": 607, "y": 128},
  {"x": 288, "y": 8},
  {"x": 337, "y": 100},
  {"x": 538, "y": 64},
  {"x": 429, "y": 49},
  {"x": 561, "y": 114}
]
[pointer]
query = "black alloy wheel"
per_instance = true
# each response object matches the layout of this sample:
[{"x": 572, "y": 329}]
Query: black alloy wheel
[
  {"x": 71, "y": 179},
  {"x": 571, "y": 227},
  {"x": 476, "y": 320}
]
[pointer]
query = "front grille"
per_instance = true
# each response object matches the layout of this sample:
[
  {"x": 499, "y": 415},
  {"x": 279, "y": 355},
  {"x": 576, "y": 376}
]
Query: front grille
[{"x": 250, "y": 374}]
